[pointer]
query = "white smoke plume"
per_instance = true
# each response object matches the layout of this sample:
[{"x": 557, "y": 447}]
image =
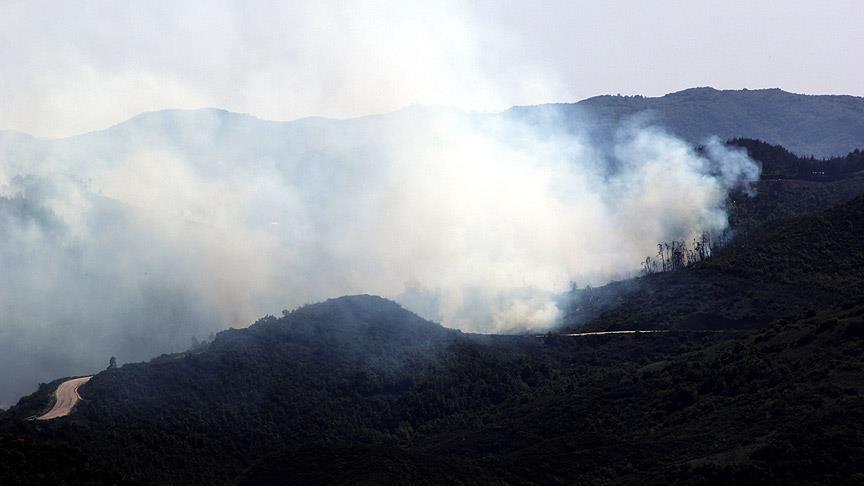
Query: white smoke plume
[{"x": 132, "y": 240}]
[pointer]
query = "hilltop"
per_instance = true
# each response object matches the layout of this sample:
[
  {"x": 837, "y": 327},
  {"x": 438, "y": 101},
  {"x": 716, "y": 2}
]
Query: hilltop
[
  {"x": 818, "y": 125},
  {"x": 356, "y": 371}
]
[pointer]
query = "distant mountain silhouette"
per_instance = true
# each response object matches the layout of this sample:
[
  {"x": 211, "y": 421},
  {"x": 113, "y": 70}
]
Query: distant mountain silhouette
[{"x": 820, "y": 125}]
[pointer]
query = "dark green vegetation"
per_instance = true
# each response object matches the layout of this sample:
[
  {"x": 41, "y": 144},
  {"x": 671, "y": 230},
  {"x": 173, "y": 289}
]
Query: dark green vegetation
[
  {"x": 296, "y": 401},
  {"x": 798, "y": 268},
  {"x": 775, "y": 267},
  {"x": 324, "y": 379},
  {"x": 779, "y": 163},
  {"x": 822, "y": 126},
  {"x": 25, "y": 462},
  {"x": 358, "y": 390},
  {"x": 38, "y": 402}
]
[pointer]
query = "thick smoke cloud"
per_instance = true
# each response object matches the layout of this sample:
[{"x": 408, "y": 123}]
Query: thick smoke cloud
[{"x": 134, "y": 240}]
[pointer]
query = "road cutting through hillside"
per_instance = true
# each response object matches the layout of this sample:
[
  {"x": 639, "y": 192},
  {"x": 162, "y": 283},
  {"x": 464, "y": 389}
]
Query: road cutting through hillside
[
  {"x": 65, "y": 398},
  {"x": 601, "y": 333},
  {"x": 635, "y": 331}
]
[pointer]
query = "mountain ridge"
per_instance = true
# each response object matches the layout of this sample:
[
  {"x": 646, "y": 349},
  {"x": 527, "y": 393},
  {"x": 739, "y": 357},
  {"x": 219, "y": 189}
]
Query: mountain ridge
[{"x": 807, "y": 124}]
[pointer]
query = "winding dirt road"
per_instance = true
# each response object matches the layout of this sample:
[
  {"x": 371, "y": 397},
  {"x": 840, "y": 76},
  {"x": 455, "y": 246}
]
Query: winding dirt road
[
  {"x": 66, "y": 396},
  {"x": 635, "y": 331},
  {"x": 602, "y": 333}
]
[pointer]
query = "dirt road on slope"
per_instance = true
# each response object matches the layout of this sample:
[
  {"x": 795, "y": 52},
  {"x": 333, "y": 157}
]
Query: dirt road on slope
[{"x": 66, "y": 396}]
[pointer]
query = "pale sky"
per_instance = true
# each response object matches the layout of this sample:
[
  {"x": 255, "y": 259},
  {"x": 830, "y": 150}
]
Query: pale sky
[{"x": 70, "y": 67}]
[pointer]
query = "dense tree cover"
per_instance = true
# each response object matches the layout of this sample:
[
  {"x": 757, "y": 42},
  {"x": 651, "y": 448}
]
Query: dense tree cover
[
  {"x": 38, "y": 402},
  {"x": 359, "y": 390},
  {"x": 779, "y": 200},
  {"x": 785, "y": 271},
  {"x": 783, "y": 405},
  {"x": 780, "y": 163},
  {"x": 350, "y": 371},
  {"x": 26, "y": 462},
  {"x": 728, "y": 292},
  {"x": 316, "y": 398},
  {"x": 821, "y": 251},
  {"x": 780, "y": 406},
  {"x": 788, "y": 188}
]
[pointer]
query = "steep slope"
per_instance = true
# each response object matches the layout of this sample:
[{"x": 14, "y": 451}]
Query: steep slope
[
  {"x": 781, "y": 406},
  {"x": 353, "y": 369},
  {"x": 780, "y": 163},
  {"x": 728, "y": 296},
  {"x": 805, "y": 265},
  {"x": 318, "y": 383},
  {"x": 357, "y": 389},
  {"x": 820, "y": 251},
  {"x": 295, "y": 379}
]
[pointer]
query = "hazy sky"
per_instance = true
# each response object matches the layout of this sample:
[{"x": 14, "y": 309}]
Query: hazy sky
[{"x": 71, "y": 67}]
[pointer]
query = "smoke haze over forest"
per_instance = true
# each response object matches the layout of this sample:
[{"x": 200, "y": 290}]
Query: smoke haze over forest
[
  {"x": 431, "y": 242},
  {"x": 135, "y": 240}
]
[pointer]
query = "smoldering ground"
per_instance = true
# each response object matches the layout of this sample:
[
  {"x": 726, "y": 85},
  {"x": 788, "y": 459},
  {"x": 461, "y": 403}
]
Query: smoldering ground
[{"x": 134, "y": 240}]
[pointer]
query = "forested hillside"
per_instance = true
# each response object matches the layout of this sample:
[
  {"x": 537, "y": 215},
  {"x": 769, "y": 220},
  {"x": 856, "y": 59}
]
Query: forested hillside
[
  {"x": 784, "y": 271},
  {"x": 758, "y": 378},
  {"x": 725, "y": 292},
  {"x": 350, "y": 372},
  {"x": 780, "y": 163},
  {"x": 420, "y": 243},
  {"x": 25, "y": 462},
  {"x": 358, "y": 389}
]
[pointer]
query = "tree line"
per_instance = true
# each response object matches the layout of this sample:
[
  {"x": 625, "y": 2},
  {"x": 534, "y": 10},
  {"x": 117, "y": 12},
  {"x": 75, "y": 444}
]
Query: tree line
[{"x": 678, "y": 254}]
